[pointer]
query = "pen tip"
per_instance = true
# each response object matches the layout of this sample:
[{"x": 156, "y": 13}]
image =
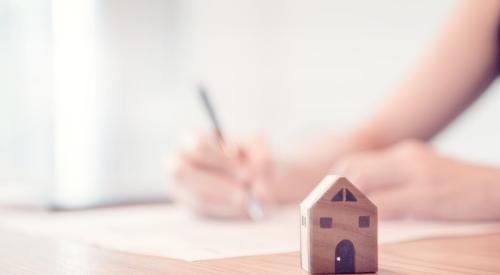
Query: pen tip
[{"x": 255, "y": 211}]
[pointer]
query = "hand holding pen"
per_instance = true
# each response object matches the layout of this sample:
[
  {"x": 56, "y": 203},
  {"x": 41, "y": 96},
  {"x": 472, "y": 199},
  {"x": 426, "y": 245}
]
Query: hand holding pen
[
  {"x": 220, "y": 179},
  {"x": 254, "y": 209}
]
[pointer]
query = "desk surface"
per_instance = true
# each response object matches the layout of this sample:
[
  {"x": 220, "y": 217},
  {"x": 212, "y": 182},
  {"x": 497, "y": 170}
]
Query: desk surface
[{"x": 21, "y": 254}]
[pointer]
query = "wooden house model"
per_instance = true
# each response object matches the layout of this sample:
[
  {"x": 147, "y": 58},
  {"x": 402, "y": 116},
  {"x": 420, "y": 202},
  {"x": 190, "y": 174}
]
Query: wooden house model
[{"x": 338, "y": 231}]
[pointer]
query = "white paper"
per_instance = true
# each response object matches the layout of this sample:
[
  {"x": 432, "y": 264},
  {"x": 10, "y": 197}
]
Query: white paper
[{"x": 170, "y": 231}]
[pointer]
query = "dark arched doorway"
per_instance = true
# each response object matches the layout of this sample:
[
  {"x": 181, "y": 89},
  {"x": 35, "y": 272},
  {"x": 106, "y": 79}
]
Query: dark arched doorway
[{"x": 344, "y": 257}]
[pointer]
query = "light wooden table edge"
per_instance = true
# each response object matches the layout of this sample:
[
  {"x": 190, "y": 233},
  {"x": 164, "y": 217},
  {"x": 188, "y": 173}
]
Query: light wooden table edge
[{"x": 24, "y": 254}]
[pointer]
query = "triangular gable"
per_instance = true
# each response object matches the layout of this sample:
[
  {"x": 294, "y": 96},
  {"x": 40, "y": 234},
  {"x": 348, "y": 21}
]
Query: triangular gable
[{"x": 329, "y": 187}]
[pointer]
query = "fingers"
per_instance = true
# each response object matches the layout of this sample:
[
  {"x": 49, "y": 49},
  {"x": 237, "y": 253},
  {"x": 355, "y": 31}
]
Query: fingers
[
  {"x": 209, "y": 193},
  {"x": 204, "y": 150},
  {"x": 262, "y": 191},
  {"x": 218, "y": 182},
  {"x": 257, "y": 155}
]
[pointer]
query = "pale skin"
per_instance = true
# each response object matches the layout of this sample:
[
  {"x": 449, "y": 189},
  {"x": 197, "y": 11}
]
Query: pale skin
[{"x": 387, "y": 156}]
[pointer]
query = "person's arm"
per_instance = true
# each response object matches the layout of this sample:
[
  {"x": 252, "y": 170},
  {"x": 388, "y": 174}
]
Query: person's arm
[
  {"x": 463, "y": 62},
  {"x": 459, "y": 67},
  {"x": 455, "y": 72}
]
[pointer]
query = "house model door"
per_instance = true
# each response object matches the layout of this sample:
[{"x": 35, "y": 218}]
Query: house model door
[{"x": 344, "y": 257}]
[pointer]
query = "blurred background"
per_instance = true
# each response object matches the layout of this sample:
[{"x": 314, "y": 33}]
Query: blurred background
[{"x": 94, "y": 94}]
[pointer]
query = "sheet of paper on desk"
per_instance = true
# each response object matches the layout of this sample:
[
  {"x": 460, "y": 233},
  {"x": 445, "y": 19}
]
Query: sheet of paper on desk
[{"x": 169, "y": 231}]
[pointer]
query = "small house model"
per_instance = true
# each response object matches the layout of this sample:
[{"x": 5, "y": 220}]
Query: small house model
[{"x": 338, "y": 231}]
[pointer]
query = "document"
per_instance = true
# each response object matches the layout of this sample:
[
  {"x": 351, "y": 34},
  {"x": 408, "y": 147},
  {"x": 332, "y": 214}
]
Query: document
[{"x": 173, "y": 232}]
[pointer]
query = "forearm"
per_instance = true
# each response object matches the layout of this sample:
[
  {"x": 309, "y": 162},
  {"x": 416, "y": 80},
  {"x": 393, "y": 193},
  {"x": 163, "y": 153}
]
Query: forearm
[{"x": 458, "y": 68}]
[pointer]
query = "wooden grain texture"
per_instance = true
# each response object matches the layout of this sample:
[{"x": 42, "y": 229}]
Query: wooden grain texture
[
  {"x": 340, "y": 245},
  {"x": 27, "y": 255}
]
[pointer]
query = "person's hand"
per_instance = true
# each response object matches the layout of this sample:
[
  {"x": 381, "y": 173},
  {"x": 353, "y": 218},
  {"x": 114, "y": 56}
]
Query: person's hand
[
  {"x": 218, "y": 181},
  {"x": 410, "y": 180}
]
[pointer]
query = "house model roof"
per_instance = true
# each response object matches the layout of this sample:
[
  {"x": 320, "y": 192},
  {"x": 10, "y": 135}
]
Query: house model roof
[{"x": 322, "y": 188}]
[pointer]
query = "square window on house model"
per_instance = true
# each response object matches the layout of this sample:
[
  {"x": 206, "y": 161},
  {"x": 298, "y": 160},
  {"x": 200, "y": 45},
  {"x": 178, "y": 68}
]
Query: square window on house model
[
  {"x": 364, "y": 221},
  {"x": 325, "y": 222}
]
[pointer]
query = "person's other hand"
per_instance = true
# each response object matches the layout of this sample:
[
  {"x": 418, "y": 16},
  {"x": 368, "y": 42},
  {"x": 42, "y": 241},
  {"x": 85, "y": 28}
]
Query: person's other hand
[
  {"x": 410, "y": 180},
  {"x": 216, "y": 182}
]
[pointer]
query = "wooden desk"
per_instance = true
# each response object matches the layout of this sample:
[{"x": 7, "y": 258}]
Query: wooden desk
[{"x": 21, "y": 254}]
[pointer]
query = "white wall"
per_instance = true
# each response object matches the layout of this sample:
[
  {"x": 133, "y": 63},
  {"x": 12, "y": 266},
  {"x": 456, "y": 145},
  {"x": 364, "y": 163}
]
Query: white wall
[{"x": 25, "y": 117}]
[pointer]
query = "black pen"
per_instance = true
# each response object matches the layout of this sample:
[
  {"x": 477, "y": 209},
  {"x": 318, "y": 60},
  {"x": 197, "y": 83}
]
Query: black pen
[{"x": 254, "y": 209}]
